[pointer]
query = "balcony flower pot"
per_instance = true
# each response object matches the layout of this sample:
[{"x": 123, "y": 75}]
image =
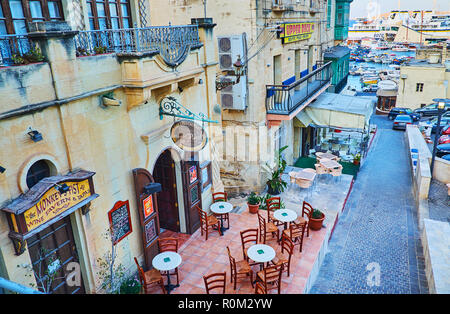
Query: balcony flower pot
[
  {"x": 316, "y": 220},
  {"x": 253, "y": 202}
]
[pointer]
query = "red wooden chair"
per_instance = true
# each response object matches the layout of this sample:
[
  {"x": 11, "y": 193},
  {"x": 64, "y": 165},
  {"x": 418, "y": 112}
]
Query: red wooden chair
[
  {"x": 296, "y": 233},
  {"x": 222, "y": 197},
  {"x": 215, "y": 281},
  {"x": 207, "y": 222},
  {"x": 239, "y": 268},
  {"x": 259, "y": 288},
  {"x": 150, "y": 278},
  {"x": 270, "y": 277},
  {"x": 248, "y": 237},
  {"x": 169, "y": 244},
  {"x": 273, "y": 204},
  {"x": 282, "y": 257},
  {"x": 267, "y": 228}
]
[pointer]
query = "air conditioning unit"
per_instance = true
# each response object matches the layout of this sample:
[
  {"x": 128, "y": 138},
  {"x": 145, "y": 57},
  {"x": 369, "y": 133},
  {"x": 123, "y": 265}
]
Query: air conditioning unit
[
  {"x": 229, "y": 49},
  {"x": 235, "y": 96}
]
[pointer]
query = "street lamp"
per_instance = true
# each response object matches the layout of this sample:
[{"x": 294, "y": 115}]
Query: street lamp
[
  {"x": 238, "y": 71},
  {"x": 441, "y": 106}
]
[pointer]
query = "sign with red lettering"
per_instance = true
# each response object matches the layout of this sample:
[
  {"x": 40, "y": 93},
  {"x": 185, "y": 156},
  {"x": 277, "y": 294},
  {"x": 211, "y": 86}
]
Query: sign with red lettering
[
  {"x": 148, "y": 206},
  {"x": 292, "y": 32}
]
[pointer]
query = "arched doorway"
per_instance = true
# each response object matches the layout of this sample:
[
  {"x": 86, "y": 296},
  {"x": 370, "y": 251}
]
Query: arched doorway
[{"x": 164, "y": 173}]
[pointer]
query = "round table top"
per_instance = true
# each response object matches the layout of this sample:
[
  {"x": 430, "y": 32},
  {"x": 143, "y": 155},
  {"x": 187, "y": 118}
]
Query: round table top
[
  {"x": 285, "y": 215},
  {"x": 166, "y": 261},
  {"x": 261, "y": 253},
  {"x": 221, "y": 207}
]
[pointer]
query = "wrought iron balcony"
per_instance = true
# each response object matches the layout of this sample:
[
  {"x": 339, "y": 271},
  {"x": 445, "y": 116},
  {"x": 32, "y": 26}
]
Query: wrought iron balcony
[
  {"x": 12, "y": 46},
  {"x": 158, "y": 39},
  {"x": 285, "y": 99}
]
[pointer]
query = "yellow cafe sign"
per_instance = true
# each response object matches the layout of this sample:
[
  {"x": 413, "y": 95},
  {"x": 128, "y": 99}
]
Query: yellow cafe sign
[{"x": 292, "y": 32}]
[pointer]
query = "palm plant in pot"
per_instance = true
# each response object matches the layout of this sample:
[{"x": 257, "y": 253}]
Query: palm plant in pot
[
  {"x": 316, "y": 220},
  {"x": 275, "y": 184},
  {"x": 253, "y": 202}
]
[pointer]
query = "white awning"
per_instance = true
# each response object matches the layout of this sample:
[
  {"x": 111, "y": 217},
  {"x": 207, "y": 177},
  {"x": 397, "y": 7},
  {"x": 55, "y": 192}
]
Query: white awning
[{"x": 338, "y": 111}]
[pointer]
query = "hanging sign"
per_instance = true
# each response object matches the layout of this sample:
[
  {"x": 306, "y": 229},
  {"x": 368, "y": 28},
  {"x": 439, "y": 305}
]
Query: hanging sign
[
  {"x": 120, "y": 221},
  {"x": 188, "y": 135},
  {"x": 147, "y": 206},
  {"x": 292, "y": 32}
]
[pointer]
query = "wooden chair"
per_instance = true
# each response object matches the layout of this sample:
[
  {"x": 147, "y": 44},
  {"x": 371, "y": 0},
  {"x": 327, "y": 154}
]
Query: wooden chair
[
  {"x": 296, "y": 233},
  {"x": 270, "y": 277},
  {"x": 267, "y": 228},
  {"x": 222, "y": 197},
  {"x": 239, "y": 268},
  {"x": 207, "y": 222},
  {"x": 248, "y": 237},
  {"x": 307, "y": 210},
  {"x": 273, "y": 204},
  {"x": 150, "y": 278},
  {"x": 259, "y": 288},
  {"x": 282, "y": 257},
  {"x": 215, "y": 281},
  {"x": 171, "y": 245}
]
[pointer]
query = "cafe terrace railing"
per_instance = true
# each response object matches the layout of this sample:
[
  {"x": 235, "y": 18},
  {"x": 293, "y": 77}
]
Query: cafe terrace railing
[
  {"x": 284, "y": 99},
  {"x": 13, "y": 45},
  {"x": 172, "y": 42}
]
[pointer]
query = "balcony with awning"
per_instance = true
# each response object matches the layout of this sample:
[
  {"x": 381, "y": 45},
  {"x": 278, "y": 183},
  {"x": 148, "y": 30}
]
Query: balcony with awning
[{"x": 284, "y": 102}]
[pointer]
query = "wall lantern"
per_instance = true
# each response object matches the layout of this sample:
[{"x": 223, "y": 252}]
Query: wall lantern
[
  {"x": 238, "y": 71},
  {"x": 2, "y": 169},
  {"x": 34, "y": 135},
  {"x": 62, "y": 188},
  {"x": 152, "y": 188}
]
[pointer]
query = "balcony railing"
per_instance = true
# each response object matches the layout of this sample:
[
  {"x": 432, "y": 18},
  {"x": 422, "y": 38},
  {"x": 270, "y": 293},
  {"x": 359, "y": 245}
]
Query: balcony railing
[
  {"x": 284, "y": 99},
  {"x": 144, "y": 40},
  {"x": 13, "y": 45}
]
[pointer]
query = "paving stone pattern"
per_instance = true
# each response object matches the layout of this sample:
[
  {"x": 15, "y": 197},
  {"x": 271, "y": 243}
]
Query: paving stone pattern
[
  {"x": 378, "y": 225},
  {"x": 438, "y": 202}
]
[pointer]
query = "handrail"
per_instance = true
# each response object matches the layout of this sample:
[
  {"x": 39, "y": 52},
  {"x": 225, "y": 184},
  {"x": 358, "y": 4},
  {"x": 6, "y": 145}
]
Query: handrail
[
  {"x": 12, "y": 45},
  {"x": 306, "y": 77}
]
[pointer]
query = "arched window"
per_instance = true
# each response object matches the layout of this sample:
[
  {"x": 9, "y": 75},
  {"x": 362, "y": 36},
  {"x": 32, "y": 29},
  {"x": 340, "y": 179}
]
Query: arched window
[
  {"x": 14, "y": 14},
  {"x": 38, "y": 171}
]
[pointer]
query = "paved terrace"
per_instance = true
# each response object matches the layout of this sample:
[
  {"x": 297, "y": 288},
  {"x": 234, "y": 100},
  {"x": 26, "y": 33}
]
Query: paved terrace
[{"x": 202, "y": 257}]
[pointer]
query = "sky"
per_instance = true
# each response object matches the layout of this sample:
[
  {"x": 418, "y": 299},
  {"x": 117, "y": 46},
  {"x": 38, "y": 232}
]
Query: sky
[{"x": 364, "y": 8}]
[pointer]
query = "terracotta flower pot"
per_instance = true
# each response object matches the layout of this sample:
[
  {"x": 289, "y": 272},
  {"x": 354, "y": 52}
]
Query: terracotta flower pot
[
  {"x": 316, "y": 224},
  {"x": 253, "y": 209}
]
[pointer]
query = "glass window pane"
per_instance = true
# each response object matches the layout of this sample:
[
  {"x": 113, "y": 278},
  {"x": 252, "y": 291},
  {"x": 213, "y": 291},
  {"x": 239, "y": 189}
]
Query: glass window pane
[
  {"x": 102, "y": 23},
  {"x": 113, "y": 10},
  {"x": 3, "y": 28},
  {"x": 91, "y": 24},
  {"x": 90, "y": 14},
  {"x": 1, "y": 12},
  {"x": 20, "y": 27},
  {"x": 53, "y": 9},
  {"x": 124, "y": 10},
  {"x": 35, "y": 9},
  {"x": 101, "y": 10},
  {"x": 126, "y": 23},
  {"x": 115, "y": 23},
  {"x": 16, "y": 8}
]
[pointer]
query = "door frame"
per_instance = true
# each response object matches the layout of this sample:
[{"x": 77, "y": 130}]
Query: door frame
[{"x": 191, "y": 226}]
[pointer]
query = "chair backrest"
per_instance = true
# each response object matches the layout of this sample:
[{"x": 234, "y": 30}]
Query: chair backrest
[
  {"x": 273, "y": 273},
  {"x": 262, "y": 225},
  {"x": 248, "y": 236},
  {"x": 296, "y": 230},
  {"x": 273, "y": 204},
  {"x": 259, "y": 288},
  {"x": 168, "y": 244},
  {"x": 220, "y": 197},
  {"x": 232, "y": 260},
  {"x": 287, "y": 244},
  {"x": 140, "y": 272},
  {"x": 307, "y": 209},
  {"x": 215, "y": 281},
  {"x": 202, "y": 214}
]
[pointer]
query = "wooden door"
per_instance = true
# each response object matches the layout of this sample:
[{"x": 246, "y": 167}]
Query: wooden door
[
  {"x": 192, "y": 194},
  {"x": 164, "y": 173},
  {"x": 51, "y": 250}
]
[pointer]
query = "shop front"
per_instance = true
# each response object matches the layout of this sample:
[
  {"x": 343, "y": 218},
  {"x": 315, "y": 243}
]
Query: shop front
[{"x": 40, "y": 222}]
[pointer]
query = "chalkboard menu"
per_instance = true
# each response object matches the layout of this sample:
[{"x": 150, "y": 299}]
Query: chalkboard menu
[
  {"x": 150, "y": 231},
  {"x": 120, "y": 221}
]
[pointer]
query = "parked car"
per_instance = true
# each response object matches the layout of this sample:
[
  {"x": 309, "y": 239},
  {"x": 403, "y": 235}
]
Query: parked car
[
  {"x": 442, "y": 150},
  {"x": 396, "y": 111},
  {"x": 445, "y": 121},
  {"x": 446, "y": 157},
  {"x": 370, "y": 88},
  {"x": 401, "y": 121},
  {"x": 445, "y": 130},
  {"x": 444, "y": 139},
  {"x": 430, "y": 110}
]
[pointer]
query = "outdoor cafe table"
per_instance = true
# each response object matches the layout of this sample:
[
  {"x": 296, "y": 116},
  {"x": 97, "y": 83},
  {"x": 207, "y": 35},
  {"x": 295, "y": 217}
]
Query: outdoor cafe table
[
  {"x": 330, "y": 164},
  {"x": 285, "y": 215},
  {"x": 261, "y": 253},
  {"x": 305, "y": 175},
  {"x": 327, "y": 156},
  {"x": 221, "y": 208},
  {"x": 167, "y": 261}
]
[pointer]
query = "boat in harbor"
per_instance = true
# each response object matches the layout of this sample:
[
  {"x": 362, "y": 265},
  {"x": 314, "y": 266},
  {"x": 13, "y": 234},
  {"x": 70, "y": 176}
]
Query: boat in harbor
[{"x": 399, "y": 48}]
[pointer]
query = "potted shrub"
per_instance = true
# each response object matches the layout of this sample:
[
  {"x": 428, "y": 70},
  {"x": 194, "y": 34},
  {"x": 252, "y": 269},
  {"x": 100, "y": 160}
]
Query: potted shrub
[
  {"x": 275, "y": 184},
  {"x": 316, "y": 220},
  {"x": 253, "y": 202},
  {"x": 356, "y": 159}
]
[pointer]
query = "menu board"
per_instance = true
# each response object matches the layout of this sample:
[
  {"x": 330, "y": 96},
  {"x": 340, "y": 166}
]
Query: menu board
[
  {"x": 120, "y": 221},
  {"x": 150, "y": 231}
]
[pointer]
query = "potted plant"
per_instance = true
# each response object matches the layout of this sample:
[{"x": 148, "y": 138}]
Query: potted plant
[
  {"x": 275, "y": 184},
  {"x": 316, "y": 220},
  {"x": 356, "y": 159},
  {"x": 253, "y": 202}
]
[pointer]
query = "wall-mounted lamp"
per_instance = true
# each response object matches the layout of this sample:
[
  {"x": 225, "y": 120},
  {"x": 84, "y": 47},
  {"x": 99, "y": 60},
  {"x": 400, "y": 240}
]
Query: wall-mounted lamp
[
  {"x": 200, "y": 81},
  {"x": 34, "y": 135},
  {"x": 238, "y": 71},
  {"x": 152, "y": 188},
  {"x": 63, "y": 188},
  {"x": 180, "y": 89},
  {"x": 2, "y": 169}
]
